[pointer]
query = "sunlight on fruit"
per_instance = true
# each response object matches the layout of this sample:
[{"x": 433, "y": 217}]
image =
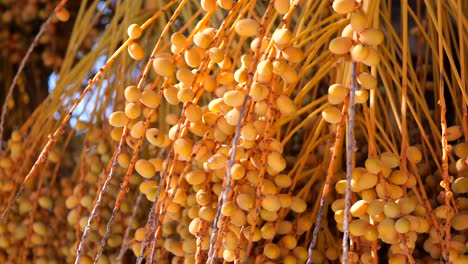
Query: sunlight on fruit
[{"x": 211, "y": 131}]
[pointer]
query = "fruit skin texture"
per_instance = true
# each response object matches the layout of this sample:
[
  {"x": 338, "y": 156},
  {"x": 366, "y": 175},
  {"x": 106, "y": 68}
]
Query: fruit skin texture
[
  {"x": 233, "y": 98},
  {"x": 225, "y": 4},
  {"x": 178, "y": 39},
  {"x": 331, "y": 115},
  {"x": 150, "y": 99},
  {"x": 343, "y": 6},
  {"x": 132, "y": 94},
  {"x": 365, "y": 181},
  {"x": 367, "y": 81},
  {"x": 371, "y": 36},
  {"x": 340, "y": 45},
  {"x": 271, "y": 203},
  {"x": 358, "y": 227},
  {"x": 276, "y": 161},
  {"x": 285, "y": 105},
  {"x": 361, "y": 96},
  {"x": 118, "y": 119},
  {"x": 359, "y": 52},
  {"x": 454, "y": 133},
  {"x": 337, "y": 93},
  {"x": 373, "y": 165},
  {"x": 247, "y": 27},
  {"x": 163, "y": 67},
  {"x": 132, "y": 110},
  {"x": 390, "y": 160},
  {"x": 134, "y": 31},
  {"x": 358, "y": 21},
  {"x": 282, "y": 36},
  {"x": 282, "y": 6},
  {"x": 359, "y": 208},
  {"x": 460, "y": 185},
  {"x": 208, "y": 5},
  {"x": 373, "y": 58},
  {"x": 63, "y": 15},
  {"x": 402, "y": 225},
  {"x": 136, "y": 51},
  {"x": 460, "y": 222},
  {"x": 272, "y": 251},
  {"x": 145, "y": 168},
  {"x": 245, "y": 201}
]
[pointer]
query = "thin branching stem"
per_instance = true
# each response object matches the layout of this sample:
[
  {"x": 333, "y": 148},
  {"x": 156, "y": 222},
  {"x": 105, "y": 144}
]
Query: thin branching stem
[
  {"x": 97, "y": 202},
  {"x": 350, "y": 148},
  {"x": 327, "y": 184}
]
